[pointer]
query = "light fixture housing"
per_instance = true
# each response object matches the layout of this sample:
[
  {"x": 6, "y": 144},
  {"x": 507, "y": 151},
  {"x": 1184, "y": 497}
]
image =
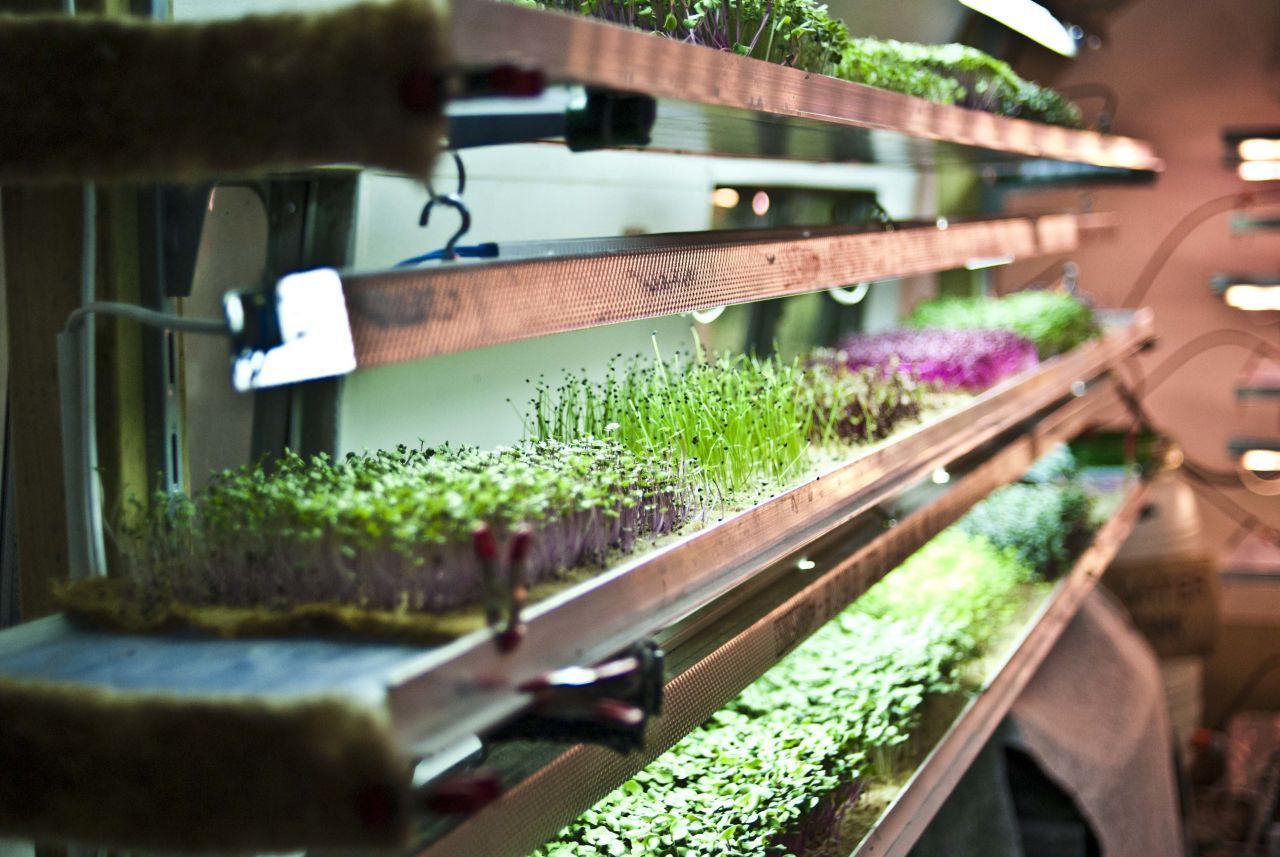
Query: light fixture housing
[
  {"x": 1249, "y": 292},
  {"x": 1254, "y": 152},
  {"x": 1031, "y": 20},
  {"x": 1257, "y": 454},
  {"x": 1263, "y": 382}
]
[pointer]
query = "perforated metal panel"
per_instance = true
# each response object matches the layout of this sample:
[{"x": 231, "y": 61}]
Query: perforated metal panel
[{"x": 403, "y": 315}]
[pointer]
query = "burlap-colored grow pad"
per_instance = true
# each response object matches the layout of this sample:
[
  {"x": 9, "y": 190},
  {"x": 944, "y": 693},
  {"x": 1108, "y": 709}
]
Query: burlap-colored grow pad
[
  {"x": 173, "y": 773},
  {"x": 101, "y": 99}
]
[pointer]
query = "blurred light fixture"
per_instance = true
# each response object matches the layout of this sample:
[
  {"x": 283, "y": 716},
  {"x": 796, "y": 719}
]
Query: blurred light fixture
[
  {"x": 1254, "y": 152},
  {"x": 1258, "y": 149},
  {"x": 1250, "y": 292},
  {"x": 1031, "y": 20},
  {"x": 1261, "y": 382},
  {"x": 940, "y": 476},
  {"x": 1257, "y": 455},
  {"x": 978, "y": 264},
  {"x": 1259, "y": 171},
  {"x": 725, "y": 197},
  {"x": 806, "y": 565},
  {"x": 760, "y": 203},
  {"x": 1241, "y": 223}
]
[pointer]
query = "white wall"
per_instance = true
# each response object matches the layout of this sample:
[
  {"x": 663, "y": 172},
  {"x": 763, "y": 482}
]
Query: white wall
[{"x": 543, "y": 192}]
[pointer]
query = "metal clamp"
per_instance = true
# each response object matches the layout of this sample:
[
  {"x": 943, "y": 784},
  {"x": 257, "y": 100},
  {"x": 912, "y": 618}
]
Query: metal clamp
[{"x": 609, "y": 704}]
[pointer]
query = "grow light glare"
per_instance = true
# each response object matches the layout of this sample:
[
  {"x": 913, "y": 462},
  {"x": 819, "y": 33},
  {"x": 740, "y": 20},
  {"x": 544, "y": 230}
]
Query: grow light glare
[
  {"x": 806, "y": 565},
  {"x": 1031, "y": 20},
  {"x": 987, "y": 262},
  {"x": 1252, "y": 298},
  {"x": 760, "y": 203},
  {"x": 1258, "y": 149},
  {"x": 1259, "y": 171},
  {"x": 941, "y": 476},
  {"x": 725, "y": 197},
  {"x": 1261, "y": 460},
  {"x": 850, "y": 297},
  {"x": 706, "y": 316}
]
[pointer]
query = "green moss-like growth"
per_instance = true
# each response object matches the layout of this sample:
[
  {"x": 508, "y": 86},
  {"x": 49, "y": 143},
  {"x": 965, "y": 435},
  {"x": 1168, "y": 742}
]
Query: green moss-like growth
[
  {"x": 767, "y": 773},
  {"x": 798, "y": 33},
  {"x": 1045, "y": 524},
  {"x": 395, "y": 531},
  {"x": 837, "y": 709},
  {"x": 802, "y": 34},
  {"x": 1055, "y": 321},
  {"x": 953, "y": 74}
]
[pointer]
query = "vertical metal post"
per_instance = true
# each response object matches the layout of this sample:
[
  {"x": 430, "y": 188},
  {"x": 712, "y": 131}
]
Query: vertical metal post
[{"x": 312, "y": 221}]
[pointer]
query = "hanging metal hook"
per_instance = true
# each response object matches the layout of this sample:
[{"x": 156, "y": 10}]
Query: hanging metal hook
[
  {"x": 855, "y": 293},
  {"x": 454, "y": 201}
]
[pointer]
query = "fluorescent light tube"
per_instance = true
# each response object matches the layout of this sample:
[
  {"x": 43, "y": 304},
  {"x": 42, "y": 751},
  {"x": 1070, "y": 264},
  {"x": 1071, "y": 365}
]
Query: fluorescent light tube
[
  {"x": 1031, "y": 20},
  {"x": 1252, "y": 298},
  {"x": 1261, "y": 460},
  {"x": 1258, "y": 149},
  {"x": 1259, "y": 171}
]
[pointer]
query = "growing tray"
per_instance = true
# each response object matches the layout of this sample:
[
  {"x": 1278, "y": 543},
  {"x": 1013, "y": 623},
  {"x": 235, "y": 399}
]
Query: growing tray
[
  {"x": 717, "y": 656},
  {"x": 712, "y": 102}
]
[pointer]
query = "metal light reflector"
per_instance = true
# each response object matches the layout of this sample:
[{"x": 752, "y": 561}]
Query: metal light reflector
[
  {"x": 1249, "y": 292},
  {"x": 1254, "y": 152},
  {"x": 1031, "y": 20}
]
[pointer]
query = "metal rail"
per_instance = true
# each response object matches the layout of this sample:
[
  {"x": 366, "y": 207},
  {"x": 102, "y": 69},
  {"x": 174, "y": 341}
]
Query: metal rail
[
  {"x": 537, "y": 807},
  {"x": 905, "y": 820},
  {"x": 720, "y": 103},
  {"x": 469, "y": 685},
  {"x": 402, "y": 315}
]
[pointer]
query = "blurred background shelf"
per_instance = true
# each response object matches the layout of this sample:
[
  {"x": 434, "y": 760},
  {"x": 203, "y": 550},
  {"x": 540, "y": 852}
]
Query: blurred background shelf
[{"x": 901, "y": 825}]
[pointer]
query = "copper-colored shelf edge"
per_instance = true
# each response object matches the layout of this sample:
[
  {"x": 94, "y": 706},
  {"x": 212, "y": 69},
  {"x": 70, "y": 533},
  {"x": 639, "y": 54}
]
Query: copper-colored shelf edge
[{"x": 410, "y": 314}]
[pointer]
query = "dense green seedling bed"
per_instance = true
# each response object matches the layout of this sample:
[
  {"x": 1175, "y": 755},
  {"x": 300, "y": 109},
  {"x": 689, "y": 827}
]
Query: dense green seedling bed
[
  {"x": 1044, "y": 520},
  {"x": 1055, "y": 321},
  {"x": 608, "y": 464},
  {"x": 745, "y": 424},
  {"x": 393, "y": 530},
  {"x": 803, "y": 34},
  {"x": 953, "y": 74},
  {"x": 765, "y": 775}
]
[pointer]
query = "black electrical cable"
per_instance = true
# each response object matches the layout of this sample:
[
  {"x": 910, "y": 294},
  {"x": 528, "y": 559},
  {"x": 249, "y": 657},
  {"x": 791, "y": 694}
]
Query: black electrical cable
[{"x": 1185, "y": 227}]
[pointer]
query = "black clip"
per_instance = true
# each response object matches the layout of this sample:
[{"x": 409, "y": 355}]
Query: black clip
[
  {"x": 609, "y": 704},
  {"x": 609, "y": 119}
]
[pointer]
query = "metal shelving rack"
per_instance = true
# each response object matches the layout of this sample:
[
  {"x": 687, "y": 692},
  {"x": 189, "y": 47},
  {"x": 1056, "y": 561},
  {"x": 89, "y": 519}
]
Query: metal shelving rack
[
  {"x": 711, "y": 102},
  {"x": 730, "y": 600}
]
